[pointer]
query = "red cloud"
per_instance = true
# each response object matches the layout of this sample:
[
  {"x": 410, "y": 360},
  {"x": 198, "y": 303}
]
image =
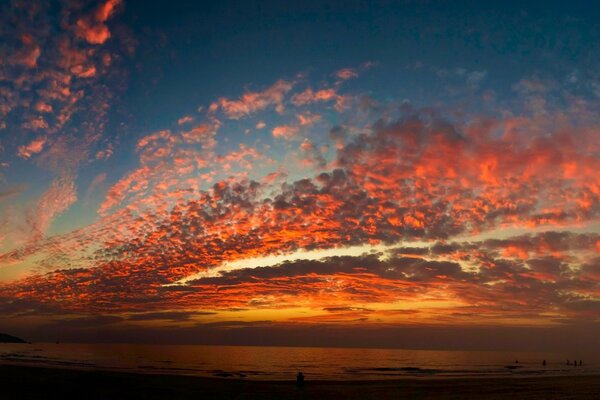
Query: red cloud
[
  {"x": 187, "y": 209},
  {"x": 92, "y": 27},
  {"x": 28, "y": 55}
]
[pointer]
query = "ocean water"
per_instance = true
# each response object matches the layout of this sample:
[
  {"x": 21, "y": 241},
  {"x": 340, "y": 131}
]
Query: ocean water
[{"x": 283, "y": 363}]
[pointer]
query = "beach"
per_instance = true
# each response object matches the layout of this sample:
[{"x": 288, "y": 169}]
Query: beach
[{"x": 25, "y": 382}]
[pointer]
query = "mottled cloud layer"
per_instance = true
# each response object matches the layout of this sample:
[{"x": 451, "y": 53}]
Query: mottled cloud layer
[
  {"x": 472, "y": 216},
  {"x": 59, "y": 71},
  {"x": 419, "y": 177}
]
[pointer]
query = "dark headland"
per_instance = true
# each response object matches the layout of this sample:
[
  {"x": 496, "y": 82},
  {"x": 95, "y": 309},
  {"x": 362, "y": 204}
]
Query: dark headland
[
  {"x": 4, "y": 338},
  {"x": 20, "y": 382}
]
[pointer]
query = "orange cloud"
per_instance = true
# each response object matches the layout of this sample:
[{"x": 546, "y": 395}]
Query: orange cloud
[
  {"x": 169, "y": 228},
  {"x": 92, "y": 27},
  {"x": 28, "y": 55},
  {"x": 34, "y": 147}
]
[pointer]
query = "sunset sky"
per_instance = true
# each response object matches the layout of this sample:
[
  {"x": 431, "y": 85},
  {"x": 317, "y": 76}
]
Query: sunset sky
[{"x": 190, "y": 170}]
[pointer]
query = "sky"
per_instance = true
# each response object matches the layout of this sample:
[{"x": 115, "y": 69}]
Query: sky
[{"x": 407, "y": 173}]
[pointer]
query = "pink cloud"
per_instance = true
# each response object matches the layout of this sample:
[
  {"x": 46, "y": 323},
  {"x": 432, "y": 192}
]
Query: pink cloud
[
  {"x": 307, "y": 145},
  {"x": 285, "y": 131},
  {"x": 184, "y": 120},
  {"x": 307, "y": 119},
  {"x": 34, "y": 147},
  {"x": 35, "y": 124},
  {"x": 292, "y": 130},
  {"x": 310, "y": 96},
  {"x": 42, "y": 107},
  {"x": 98, "y": 181},
  {"x": 251, "y": 102},
  {"x": 346, "y": 73},
  {"x": 203, "y": 134},
  {"x": 324, "y": 95},
  {"x": 105, "y": 154},
  {"x": 56, "y": 199}
]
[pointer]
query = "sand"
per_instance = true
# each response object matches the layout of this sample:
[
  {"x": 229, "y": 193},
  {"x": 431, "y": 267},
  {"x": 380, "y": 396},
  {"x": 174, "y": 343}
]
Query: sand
[{"x": 21, "y": 382}]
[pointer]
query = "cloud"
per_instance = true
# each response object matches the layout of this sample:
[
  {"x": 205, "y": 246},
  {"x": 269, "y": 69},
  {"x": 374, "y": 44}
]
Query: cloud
[
  {"x": 35, "y": 124},
  {"x": 292, "y": 130},
  {"x": 96, "y": 183},
  {"x": 54, "y": 201},
  {"x": 174, "y": 316},
  {"x": 104, "y": 154},
  {"x": 346, "y": 73},
  {"x": 389, "y": 184},
  {"x": 11, "y": 191},
  {"x": 311, "y": 156},
  {"x": 88, "y": 322},
  {"x": 195, "y": 204},
  {"x": 474, "y": 78},
  {"x": 285, "y": 131},
  {"x": 28, "y": 55},
  {"x": 34, "y": 147},
  {"x": 92, "y": 27},
  {"x": 251, "y": 102},
  {"x": 309, "y": 96},
  {"x": 346, "y": 309},
  {"x": 55, "y": 76},
  {"x": 185, "y": 120}
]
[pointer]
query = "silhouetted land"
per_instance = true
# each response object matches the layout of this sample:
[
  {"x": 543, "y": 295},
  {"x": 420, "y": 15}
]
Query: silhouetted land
[
  {"x": 4, "y": 338},
  {"x": 18, "y": 382}
]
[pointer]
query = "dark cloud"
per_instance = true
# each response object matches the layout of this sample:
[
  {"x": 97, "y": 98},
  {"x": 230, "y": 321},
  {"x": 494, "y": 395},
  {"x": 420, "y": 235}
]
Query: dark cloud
[
  {"x": 346, "y": 309},
  {"x": 88, "y": 322},
  {"x": 174, "y": 316}
]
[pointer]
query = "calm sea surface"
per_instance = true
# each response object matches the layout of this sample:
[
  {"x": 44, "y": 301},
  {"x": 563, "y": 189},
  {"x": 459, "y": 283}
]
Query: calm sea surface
[{"x": 282, "y": 363}]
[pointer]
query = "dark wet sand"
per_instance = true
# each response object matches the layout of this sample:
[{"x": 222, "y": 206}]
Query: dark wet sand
[{"x": 19, "y": 382}]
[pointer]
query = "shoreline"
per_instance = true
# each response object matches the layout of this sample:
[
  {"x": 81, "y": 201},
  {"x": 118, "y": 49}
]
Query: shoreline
[
  {"x": 29, "y": 382},
  {"x": 235, "y": 375}
]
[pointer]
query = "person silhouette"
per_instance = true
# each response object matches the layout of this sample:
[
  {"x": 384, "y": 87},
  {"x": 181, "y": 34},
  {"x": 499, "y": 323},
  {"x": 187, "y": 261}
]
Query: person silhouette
[
  {"x": 580, "y": 363},
  {"x": 300, "y": 380},
  {"x": 568, "y": 362},
  {"x": 544, "y": 363}
]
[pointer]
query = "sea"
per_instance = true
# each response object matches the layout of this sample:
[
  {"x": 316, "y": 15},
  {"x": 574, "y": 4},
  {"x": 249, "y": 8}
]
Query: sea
[{"x": 283, "y": 363}]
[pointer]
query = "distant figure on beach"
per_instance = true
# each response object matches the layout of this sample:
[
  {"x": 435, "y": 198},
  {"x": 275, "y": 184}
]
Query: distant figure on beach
[
  {"x": 568, "y": 362},
  {"x": 300, "y": 379},
  {"x": 580, "y": 363},
  {"x": 544, "y": 363},
  {"x": 516, "y": 361},
  {"x": 574, "y": 363}
]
